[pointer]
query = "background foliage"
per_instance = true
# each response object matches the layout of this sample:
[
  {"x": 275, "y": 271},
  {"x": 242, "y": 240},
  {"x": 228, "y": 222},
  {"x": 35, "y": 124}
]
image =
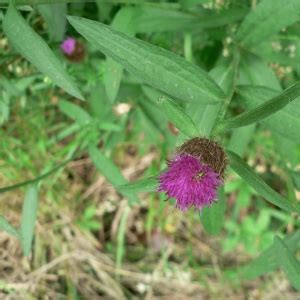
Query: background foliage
[{"x": 83, "y": 143}]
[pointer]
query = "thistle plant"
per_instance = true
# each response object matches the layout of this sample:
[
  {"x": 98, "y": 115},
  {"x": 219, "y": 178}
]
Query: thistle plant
[{"x": 217, "y": 102}]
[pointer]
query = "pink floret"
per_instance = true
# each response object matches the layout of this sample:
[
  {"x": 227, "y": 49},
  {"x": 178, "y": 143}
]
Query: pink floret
[
  {"x": 190, "y": 182},
  {"x": 68, "y": 45}
]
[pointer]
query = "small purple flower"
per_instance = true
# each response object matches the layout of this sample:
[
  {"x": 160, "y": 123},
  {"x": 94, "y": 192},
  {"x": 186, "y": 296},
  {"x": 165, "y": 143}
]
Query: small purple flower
[
  {"x": 68, "y": 46},
  {"x": 190, "y": 182}
]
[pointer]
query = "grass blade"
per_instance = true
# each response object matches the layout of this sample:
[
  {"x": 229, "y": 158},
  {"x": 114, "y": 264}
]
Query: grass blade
[
  {"x": 34, "y": 180},
  {"x": 6, "y": 226},
  {"x": 245, "y": 172},
  {"x": 121, "y": 238},
  {"x": 28, "y": 219},
  {"x": 30, "y": 45},
  {"x": 158, "y": 67}
]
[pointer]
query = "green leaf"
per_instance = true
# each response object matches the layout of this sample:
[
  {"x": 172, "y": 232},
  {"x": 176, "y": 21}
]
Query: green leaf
[
  {"x": 37, "y": 2},
  {"x": 178, "y": 117},
  {"x": 289, "y": 149},
  {"x": 110, "y": 171},
  {"x": 54, "y": 15},
  {"x": 267, "y": 261},
  {"x": 28, "y": 219},
  {"x": 240, "y": 138},
  {"x": 110, "y": 127},
  {"x": 156, "y": 19},
  {"x": 288, "y": 261},
  {"x": 75, "y": 112},
  {"x": 213, "y": 217},
  {"x": 264, "y": 190},
  {"x": 121, "y": 237},
  {"x": 158, "y": 67},
  {"x": 113, "y": 70},
  {"x": 263, "y": 111},
  {"x": 285, "y": 122},
  {"x": 144, "y": 185},
  {"x": 254, "y": 71},
  {"x": 6, "y": 226},
  {"x": 30, "y": 45},
  {"x": 152, "y": 111},
  {"x": 205, "y": 116},
  {"x": 268, "y": 18}
]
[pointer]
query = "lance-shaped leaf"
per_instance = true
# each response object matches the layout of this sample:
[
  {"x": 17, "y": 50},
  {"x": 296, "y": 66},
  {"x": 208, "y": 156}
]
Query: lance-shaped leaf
[
  {"x": 178, "y": 117},
  {"x": 112, "y": 173},
  {"x": 285, "y": 122},
  {"x": 268, "y": 18},
  {"x": 265, "y": 110},
  {"x": 206, "y": 116},
  {"x": 264, "y": 190},
  {"x": 267, "y": 261},
  {"x": 288, "y": 261},
  {"x": 54, "y": 15},
  {"x": 143, "y": 185},
  {"x": 213, "y": 217},
  {"x": 75, "y": 112},
  {"x": 28, "y": 219},
  {"x": 30, "y": 45},
  {"x": 156, "y": 19},
  {"x": 6, "y": 226},
  {"x": 113, "y": 70},
  {"x": 158, "y": 67}
]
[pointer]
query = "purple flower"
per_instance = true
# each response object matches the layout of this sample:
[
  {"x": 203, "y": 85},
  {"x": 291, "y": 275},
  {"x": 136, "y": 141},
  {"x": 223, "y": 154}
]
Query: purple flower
[
  {"x": 68, "y": 46},
  {"x": 190, "y": 182}
]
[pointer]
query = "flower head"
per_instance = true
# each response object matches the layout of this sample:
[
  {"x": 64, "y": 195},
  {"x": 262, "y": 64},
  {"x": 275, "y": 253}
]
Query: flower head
[
  {"x": 68, "y": 46},
  {"x": 73, "y": 49},
  {"x": 194, "y": 174}
]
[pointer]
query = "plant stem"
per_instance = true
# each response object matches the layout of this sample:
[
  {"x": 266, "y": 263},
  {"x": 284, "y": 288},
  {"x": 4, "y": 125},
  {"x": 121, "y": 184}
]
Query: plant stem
[{"x": 188, "y": 48}]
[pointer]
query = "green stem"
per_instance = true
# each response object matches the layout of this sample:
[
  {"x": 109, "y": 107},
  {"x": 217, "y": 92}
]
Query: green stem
[{"x": 188, "y": 47}]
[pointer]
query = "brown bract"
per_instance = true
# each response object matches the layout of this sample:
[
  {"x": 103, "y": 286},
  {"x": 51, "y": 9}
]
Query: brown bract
[
  {"x": 208, "y": 151},
  {"x": 78, "y": 54}
]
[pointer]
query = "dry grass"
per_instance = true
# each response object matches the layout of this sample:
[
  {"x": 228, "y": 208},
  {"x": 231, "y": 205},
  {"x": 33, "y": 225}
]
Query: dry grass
[{"x": 66, "y": 260}]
